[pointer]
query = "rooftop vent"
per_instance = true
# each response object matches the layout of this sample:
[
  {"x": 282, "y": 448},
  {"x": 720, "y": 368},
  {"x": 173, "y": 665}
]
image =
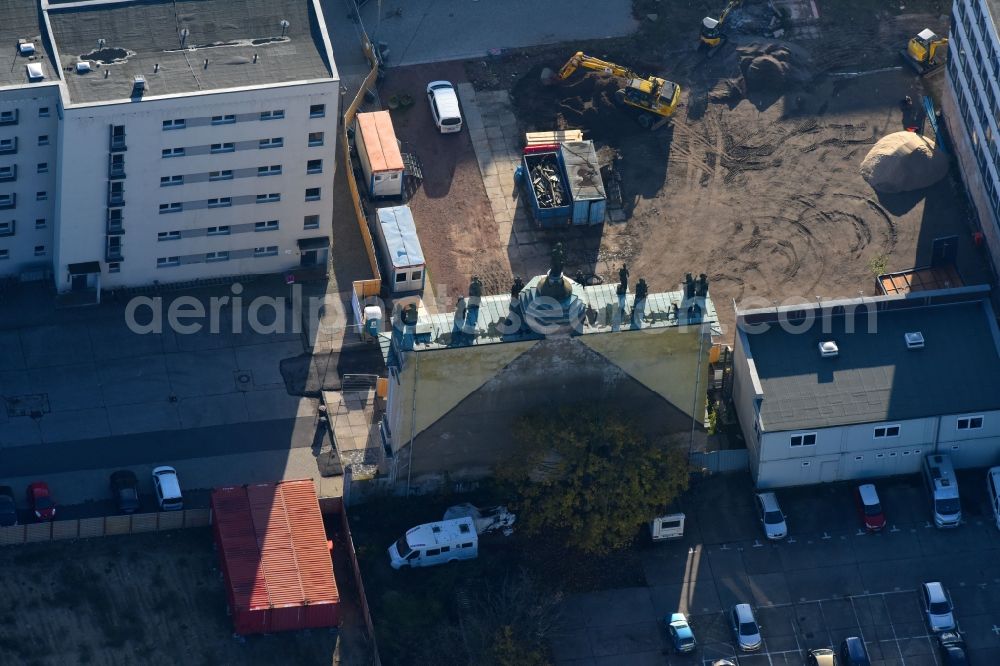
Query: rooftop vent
[
  {"x": 138, "y": 85},
  {"x": 35, "y": 72},
  {"x": 914, "y": 340},
  {"x": 828, "y": 349},
  {"x": 82, "y": 67},
  {"x": 25, "y": 48}
]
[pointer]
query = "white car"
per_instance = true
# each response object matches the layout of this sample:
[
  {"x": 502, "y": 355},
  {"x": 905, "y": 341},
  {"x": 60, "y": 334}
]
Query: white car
[
  {"x": 167, "y": 489},
  {"x": 937, "y": 607},
  {"x": 745, "y": 628},
  {"x": 444, "y": 106},
  {"x": 771, "y": 516}
]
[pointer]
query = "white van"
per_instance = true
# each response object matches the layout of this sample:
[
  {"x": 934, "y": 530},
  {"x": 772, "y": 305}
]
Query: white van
[
  {"x": 664, "y": 528},
  {"x": 167, "y": 488},
  {"x": 992, "y": 488},
  {"x": 435, "y": 543},
  {"x": 943, "y": 488}
]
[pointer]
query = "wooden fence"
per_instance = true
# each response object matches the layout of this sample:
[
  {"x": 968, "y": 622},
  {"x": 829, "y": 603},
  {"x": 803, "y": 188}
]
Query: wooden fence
[
  {"x": 352, "y": 183},
  {"x": 84, "y": 528},
  {"x": 365, "y": 609}
]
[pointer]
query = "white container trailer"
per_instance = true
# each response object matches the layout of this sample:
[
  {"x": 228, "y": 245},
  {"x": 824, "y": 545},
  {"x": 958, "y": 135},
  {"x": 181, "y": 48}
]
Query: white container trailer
[
  {"x": 378, "y": 152},
  {"x": 404, "y": 268}
]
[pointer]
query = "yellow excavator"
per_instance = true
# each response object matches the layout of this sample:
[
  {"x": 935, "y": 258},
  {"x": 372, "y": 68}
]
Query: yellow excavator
[
  {"x": 923, "y": 51},
  {"x": 712, "y": 34},
  {"x": 654, "y": 98}
]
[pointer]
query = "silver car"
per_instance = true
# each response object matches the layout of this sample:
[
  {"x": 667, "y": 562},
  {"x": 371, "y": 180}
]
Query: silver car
[
  {"x": 938, "y": 607},
  {"x": 745, "y": 628},
  {"x": 771, "y": 516}
]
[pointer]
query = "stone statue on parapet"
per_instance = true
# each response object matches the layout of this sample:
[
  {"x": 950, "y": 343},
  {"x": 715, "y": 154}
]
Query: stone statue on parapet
[
  {"x": 475, "y": 287},
  {"x": 623, "y": 279},
  {"x": 558, "y": 258},
  {"x": 517, "y": 287},
  {"x": 641, "y": 289}
]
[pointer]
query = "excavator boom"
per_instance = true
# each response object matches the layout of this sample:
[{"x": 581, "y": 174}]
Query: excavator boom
[{"x": 581, "y": 59}]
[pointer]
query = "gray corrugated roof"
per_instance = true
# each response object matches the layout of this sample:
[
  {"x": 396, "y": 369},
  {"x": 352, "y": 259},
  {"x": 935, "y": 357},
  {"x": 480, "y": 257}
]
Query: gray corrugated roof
[
  {"x": 400, "y": 235},
  {"x": 223, "y": 31},
  {"x": 876, "y": 378},
  {"x": 19, "y": 19}
]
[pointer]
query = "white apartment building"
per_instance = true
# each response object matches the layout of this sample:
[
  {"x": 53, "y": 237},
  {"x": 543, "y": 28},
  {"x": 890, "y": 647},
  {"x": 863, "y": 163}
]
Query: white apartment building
[
  {"x": 29, "y": 117},
  {"x": 195, "y": 139},
  {"x": 970, "y": 110}
]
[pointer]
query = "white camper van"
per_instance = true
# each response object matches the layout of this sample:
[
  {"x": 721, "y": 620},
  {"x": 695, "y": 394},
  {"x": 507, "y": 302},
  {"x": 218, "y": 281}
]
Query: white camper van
[
  {"x": 943, "y": 488},
  {"x": 435, "y": 543}
]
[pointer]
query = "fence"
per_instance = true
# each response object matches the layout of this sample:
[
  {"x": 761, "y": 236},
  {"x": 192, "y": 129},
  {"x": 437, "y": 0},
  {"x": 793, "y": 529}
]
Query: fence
[
  {"x": 352, "y": 183},
  {"x": 85, "y": 528},
  {"x": 734, "y": 460},
  {"x": 365, "y": 609}
]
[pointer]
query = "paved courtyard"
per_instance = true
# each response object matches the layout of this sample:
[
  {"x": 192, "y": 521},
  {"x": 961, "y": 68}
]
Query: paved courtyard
[{"x": 827, "y": 581}]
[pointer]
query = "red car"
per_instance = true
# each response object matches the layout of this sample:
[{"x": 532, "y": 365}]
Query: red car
[
  {"x": 869, "y": 507},
  {"x": 40, "y": 501}
]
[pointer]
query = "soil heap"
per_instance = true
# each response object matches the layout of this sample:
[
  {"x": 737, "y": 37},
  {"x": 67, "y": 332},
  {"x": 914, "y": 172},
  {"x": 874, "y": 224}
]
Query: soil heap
[
  {"x": 771, "y": 67},
  {"x": 902, "y": 162}
]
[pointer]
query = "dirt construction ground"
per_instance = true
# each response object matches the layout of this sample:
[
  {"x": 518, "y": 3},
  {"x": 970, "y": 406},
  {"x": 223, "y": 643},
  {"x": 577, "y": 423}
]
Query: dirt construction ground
[{"x": 755, "y": 181}]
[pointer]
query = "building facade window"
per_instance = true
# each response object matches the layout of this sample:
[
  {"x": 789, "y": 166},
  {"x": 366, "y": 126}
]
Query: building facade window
[
  {"x": 39, "y": 250},
  {"x": 881, "y": 432},
  {"x": 4, "y": 255},
  {"x": 226, "y": 147},
  {"x": 272, "y": 115},
  {"x": 269, "y": 225},
  {"x": 310, "y": 222},
  {"x": 225, "y": 174},
  {"x": 168, "y": 235},
  {"x": 273, "y": 170},
  {"x": 41, "y": 196},
  {"x": 177, "y": 123},
  {"x": 114, "y": 267},
  {"x": 276, "y": 142},
  {"x": 317, "y": 110},
  {"x": 268, "y": 198},
  {"x": 315, "y": 139},
  {"x": 269, "y": 251},
  {"x": 808, "y": 439},
  {"x": 222, "y": 255},
  {"x": 40, "y": 223},
  {"x": 222, "y": 230},
  {"x": 172, "y": 152},
  {"x": 970, "y": 423},
  {"x": 43, "y": 167},
  {"x": 227, "y": 119},
  {"x": 43, "y": 139},
  {"x": 167, "y": 181},
  {"x": 8, "y": 117},
  {"x": 314, "y": 166},
  {"x": 43, "y": 112},
  {"x": 221, "y": 202},
  {"x": 312, "y": 194},
  {"x": 174, "y": 207},
  {"x": 8, "y": 173},
  {"x": 164, "y": 262},
  {"x": 7, "y": 228}
]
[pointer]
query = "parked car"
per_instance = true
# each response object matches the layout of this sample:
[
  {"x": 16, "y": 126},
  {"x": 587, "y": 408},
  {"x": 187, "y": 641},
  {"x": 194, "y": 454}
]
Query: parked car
[
  {"x": 681, "y": 636},
  {"x": 952, "y": 648},
  {"x": 854, "y": 653},
  {"x": 8, "y": 507},
  {"x": 869, "y": 507},
  {"x": 444, "y": 106},
  {"x": 723, "y": 662},
  {"x": 167, "y": 488},
  {"x": 125, "y": 489},
  {"x": 40, "y": 501},
  {"x": 771, "y": 516},
  {"x": 745, "y": 628},
  {"x": 937, "y": 607},
  {"x": 822, "y": 657}
]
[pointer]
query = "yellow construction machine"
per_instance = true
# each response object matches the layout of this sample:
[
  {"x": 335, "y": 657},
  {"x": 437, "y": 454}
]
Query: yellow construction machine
[
  {"x": 655, "y": 99},
  {"x": 923, "y": 52},
  {"x": 712, "y": 34}
]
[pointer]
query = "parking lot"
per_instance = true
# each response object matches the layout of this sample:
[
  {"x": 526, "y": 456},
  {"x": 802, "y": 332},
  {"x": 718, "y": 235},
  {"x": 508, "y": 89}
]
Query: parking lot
[{"x": 828, "y": 580}]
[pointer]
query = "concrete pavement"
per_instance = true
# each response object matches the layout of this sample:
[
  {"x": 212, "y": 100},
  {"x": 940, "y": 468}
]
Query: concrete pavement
[{"x": 420, "y": 31}]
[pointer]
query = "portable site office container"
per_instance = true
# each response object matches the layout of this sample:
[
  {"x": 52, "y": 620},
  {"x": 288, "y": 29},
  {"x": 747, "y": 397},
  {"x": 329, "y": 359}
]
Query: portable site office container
[
  {"x": 378, "y": 152},
  {"x": 583, "y": 176},
  {"x": 404, "y": 260}
]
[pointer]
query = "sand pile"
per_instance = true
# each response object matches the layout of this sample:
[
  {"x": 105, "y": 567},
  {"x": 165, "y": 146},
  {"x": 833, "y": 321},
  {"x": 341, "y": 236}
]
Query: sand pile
[{"x": 902, "y": 162}]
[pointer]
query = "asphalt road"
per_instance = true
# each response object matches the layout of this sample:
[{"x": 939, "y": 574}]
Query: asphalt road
[{"x": 158, "y": 447}]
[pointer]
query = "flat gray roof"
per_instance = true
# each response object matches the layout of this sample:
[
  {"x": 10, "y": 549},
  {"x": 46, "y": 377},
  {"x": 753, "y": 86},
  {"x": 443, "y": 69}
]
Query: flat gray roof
[
  {"x": 140, "y": 34},
  {"x": 21, "y": 19},
  {"x": 876, "y": 378}
]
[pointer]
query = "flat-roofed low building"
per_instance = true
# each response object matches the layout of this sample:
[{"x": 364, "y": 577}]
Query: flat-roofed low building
[{"x": 866, "y": 388}]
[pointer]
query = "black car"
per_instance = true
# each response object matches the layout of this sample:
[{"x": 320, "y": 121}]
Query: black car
[
  {"x": 8, "y": 507},
  {"x": 952, "y": 647},
  {"x": 125, "y": 488}
]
